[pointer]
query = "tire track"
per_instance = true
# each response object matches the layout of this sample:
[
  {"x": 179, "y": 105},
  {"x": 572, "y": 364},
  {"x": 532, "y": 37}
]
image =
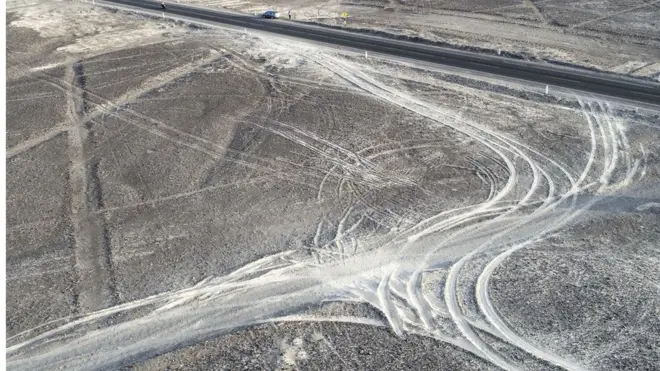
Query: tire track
[{"x": 483, "y": 297}]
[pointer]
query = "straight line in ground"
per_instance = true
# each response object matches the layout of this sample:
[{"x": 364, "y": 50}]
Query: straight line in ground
[
  {"x": 644, "y": 5},
  {"x": 537, "y": 11},
  {"x": 95, "y": 279}
]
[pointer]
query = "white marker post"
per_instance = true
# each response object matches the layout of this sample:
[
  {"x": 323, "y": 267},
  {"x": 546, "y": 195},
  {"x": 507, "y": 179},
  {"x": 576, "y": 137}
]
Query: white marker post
[
  {"x": 163, "y": 15},
  {"x": 547, "y": 89},
  {"x": 366, "y": 55}
]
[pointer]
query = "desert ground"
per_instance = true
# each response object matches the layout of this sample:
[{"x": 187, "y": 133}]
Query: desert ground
[
  {"x": 609, "y": 35},
  {"x": 192, "y": 198}
]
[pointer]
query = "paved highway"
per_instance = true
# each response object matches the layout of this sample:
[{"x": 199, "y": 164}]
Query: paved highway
[{"x": 548, "y": 74}]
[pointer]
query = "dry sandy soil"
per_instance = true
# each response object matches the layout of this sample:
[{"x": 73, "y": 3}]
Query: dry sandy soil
[
  {"x": 189, "y": 198},
  {"x": 616, "y": 36}
]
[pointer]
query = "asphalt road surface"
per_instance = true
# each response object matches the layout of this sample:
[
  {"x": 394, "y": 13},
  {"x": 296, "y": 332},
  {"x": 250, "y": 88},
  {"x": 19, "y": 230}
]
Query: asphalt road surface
[{"x": 544, "y": 73}]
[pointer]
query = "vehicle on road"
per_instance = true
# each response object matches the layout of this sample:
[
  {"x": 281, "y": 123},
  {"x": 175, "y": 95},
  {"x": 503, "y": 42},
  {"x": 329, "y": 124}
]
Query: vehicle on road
[{"x": 270, "y": 14}]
